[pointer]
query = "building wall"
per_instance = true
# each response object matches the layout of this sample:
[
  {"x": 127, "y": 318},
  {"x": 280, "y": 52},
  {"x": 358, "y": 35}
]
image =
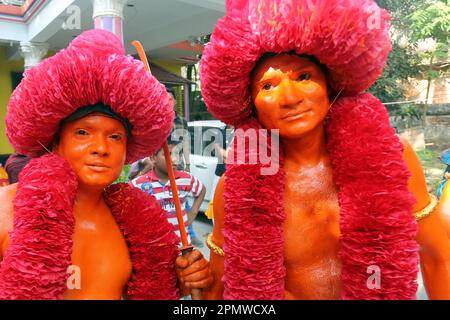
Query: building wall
[
  {"x": 174, "y": 68},
  {"x": 169, "y": 66},
  {"x": 439, "y": 88},
  {"x": 6, "y": 67}
]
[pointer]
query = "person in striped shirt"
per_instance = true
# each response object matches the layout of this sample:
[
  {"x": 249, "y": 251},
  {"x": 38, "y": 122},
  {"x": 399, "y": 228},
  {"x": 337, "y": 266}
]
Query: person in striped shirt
[{"x": 156, "y": 182}]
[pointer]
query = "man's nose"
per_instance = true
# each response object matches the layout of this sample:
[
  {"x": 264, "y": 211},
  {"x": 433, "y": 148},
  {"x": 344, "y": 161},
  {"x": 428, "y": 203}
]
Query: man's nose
[
  {"x": 290, "y": 95},
  {"x": 99, "y": 146}
]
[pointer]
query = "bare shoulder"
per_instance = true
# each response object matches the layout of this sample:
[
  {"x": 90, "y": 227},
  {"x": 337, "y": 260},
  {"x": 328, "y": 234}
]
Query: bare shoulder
[
  {"x": 219, "y": 212},
  {"x": 7, "y": 195},
  {"x": 417, "y": 184},
  {"x": 433, "y": 230},
  {"x": 215, "y": 291}
]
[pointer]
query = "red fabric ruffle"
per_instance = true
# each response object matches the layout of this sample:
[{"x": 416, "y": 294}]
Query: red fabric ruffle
[
  {"x": 40, "y": 246},
  {"x": 253, "y": 225},
  {"x": 376, "y": 220},
  {"x": 151, "y": 241}
]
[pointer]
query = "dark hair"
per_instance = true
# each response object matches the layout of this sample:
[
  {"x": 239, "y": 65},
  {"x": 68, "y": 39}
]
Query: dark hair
[
  {"x": 101, "y": 108},
  {"x": 16, "y": 162},
  {"x": 86, "y": 110},
  {"x": 170, "y": 141},
  {"x": 173, "y": 141}
]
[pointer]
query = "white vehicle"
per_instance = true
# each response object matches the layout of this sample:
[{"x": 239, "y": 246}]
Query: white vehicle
[{"x": 203, "y": 162}]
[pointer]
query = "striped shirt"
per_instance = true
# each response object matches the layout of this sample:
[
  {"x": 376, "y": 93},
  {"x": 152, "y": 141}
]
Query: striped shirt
[{"x": 186, "y": 184}]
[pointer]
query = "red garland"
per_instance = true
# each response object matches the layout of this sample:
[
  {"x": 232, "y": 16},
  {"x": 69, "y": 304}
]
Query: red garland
[
  {"x": 35, "y": 264},
  {"x": 151, "y": 241},
  {"x": 36, "y": 261},
  {"x": 253, "y": 226},
  {"x": 376, "y": 221}
]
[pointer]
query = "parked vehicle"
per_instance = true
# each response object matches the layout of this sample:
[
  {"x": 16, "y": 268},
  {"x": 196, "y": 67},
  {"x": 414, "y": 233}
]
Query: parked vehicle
[{"x": 203, "y": 136}]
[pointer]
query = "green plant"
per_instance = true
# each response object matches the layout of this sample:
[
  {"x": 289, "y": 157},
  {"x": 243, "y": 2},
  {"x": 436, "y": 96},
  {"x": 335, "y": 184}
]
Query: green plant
[
  {"x": 408, "y": 110},
  {"x": 123, "y": 178},
  {"x": 403, "y": 61}
]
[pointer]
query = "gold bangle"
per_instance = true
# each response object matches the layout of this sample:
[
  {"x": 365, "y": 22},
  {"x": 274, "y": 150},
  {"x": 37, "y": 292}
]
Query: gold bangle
[
  {"x": 214, "y": 247},
  {"x": 425, "y": 212}
]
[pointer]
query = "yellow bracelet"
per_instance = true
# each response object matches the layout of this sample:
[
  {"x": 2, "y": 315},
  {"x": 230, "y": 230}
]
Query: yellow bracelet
[
  {"x": 214, "y": 247},
  {"x": 425, "y": 212}
]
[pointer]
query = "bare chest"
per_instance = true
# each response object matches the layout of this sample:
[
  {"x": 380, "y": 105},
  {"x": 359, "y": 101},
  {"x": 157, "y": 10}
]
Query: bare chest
[
  {"x": 101, "y": 258},
  {"x": 311, "y": 235}
]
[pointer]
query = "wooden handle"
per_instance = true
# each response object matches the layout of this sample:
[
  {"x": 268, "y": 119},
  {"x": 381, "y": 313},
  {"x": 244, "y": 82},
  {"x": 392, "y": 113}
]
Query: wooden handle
[{"x": 197, "y": 294}]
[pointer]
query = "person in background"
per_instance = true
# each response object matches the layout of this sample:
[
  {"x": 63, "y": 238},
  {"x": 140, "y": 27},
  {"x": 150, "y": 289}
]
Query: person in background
[
  {"x": 156, "y": 182},
  {"x": 140, "y": 167},
  {"x": 181, "y": 124},
  {"x": 14, "y": 165},
  {"x": 184, "y": 150},
  {"x": 445, "y": 158}
]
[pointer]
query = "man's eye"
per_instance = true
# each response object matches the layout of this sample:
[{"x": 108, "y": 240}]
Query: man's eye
[
  {"x": 117, "y": 137},
  {"x": 304, "y": 76},
  {"x": 81, "y": 132},
  {"x": 267, "y": 86}
]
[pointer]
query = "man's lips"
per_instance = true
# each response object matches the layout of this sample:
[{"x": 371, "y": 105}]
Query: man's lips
[
  {"x": 293, "y": 115},
  {"x": 98, "y": 167}
]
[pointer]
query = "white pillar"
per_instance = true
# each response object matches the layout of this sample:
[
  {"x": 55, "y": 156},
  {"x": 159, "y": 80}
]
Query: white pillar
[
  {"x": 108, "y": 15},
  {"x": 33, "y": 52}
]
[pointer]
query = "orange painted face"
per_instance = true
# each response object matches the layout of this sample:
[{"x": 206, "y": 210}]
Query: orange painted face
[
  {"x": 95, "y": 147},
  {"x": 290, "y": 94}
]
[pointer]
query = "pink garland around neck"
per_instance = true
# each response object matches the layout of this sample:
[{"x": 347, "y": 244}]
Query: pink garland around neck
[
  {"x": 36, "y": 261},
  {"x": 376, "y": 221}
]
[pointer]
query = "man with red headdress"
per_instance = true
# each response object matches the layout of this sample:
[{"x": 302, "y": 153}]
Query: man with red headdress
[
  {"x": 65, "y": 231},
  {"x": 345, "y": 213}
]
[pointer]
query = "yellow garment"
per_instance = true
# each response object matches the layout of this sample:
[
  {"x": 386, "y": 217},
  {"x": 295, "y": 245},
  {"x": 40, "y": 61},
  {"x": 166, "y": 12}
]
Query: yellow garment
[
  {"x": 210, "y": 211},
  {"x": 3, "y": 177}
]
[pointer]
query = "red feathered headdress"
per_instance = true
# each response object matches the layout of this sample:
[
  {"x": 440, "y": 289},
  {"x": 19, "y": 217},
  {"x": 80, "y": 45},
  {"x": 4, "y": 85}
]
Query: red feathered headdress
[
  {"x": 94, "y": 68},
  {"x": 349, "y": 37}
]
